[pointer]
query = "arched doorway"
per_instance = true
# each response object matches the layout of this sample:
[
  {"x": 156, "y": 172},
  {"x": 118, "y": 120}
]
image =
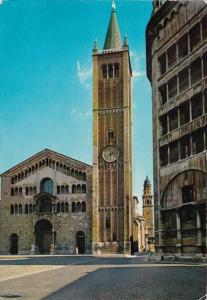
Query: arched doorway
[
  {"x": 14, "y": 243},
  {"x": 80, "y": 242},
  {"x": 43, "y": 231}
]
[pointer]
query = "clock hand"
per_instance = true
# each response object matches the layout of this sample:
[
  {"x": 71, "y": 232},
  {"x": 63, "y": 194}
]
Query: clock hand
[{"x": 110, "y": 154}]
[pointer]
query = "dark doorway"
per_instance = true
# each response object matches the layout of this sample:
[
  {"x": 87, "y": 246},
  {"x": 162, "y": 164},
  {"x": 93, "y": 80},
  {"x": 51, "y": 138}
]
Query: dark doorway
[
  {"x": 14, "y": 243},
  {"x": 80, "y": 242},
  {"x": 43, "y": 230}
]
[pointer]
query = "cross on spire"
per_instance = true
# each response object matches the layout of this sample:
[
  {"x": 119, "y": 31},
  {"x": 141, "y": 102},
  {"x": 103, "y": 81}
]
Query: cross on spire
[{"x": 113, "y": 5}]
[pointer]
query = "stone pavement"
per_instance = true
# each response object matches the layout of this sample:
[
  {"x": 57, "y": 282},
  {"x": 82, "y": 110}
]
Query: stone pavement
[{"x": 88, "y": 277}]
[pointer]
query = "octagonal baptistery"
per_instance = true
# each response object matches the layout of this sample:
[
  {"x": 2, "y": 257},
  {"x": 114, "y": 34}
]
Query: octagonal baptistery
[
  {"x": 45, "y": 206},
  {"x": 176, "y": 38}
]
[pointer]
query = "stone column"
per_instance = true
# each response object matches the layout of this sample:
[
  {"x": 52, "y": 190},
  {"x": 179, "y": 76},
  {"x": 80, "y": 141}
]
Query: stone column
[
  {"x": 203, "y": 102},
  {"x": 166, "y": 58},
  {"x": 160, "y": 233},
  {"x": 168, "y": 154},
  {"x": 178, "y": 85},
  {"x": 178, "y": 228},
  {"x": 113, "y": 71},
  {"x": 168, "y": 124},
  {"x": 167, "y": 92},
  {"x": 178, "y": 117},
  {"x": 179, "y": 236},
  {"x": 202, "y": 66},
  {"x": 189, "y": 74},
  {"x": 188, "y": 43},
  {"x": 179, "y": 153},
  {"x": 199, "y": 234}
]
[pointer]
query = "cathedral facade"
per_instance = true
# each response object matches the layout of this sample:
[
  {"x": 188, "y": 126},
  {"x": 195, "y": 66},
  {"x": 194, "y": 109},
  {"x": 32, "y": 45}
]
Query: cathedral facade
[{"x": 45, "y": 206}]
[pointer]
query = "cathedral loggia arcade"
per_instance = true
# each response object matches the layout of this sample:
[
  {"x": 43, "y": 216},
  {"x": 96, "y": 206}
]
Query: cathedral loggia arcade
[{"x": 46, "y": 206}]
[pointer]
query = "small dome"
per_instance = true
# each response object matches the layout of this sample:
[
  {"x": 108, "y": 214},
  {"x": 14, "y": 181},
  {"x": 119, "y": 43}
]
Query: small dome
[{"x": 147, "y": 182}]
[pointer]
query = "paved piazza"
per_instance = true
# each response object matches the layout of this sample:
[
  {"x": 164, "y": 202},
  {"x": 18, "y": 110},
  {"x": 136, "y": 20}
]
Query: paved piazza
[{"x": 88, "y": 277}]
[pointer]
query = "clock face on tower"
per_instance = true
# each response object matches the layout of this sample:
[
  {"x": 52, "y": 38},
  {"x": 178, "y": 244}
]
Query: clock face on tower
[{"x": 110, "y": 154}]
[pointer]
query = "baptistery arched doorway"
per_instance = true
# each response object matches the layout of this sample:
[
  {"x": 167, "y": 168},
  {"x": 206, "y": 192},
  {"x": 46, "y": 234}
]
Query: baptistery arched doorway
[
  {"x": 43, "y": 232},
  {"x": 14, "y": 243},
  {"x": 80, "y": 242}
]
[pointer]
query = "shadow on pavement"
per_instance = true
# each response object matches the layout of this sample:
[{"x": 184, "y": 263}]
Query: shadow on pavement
[{"x": 132, "y": 283}]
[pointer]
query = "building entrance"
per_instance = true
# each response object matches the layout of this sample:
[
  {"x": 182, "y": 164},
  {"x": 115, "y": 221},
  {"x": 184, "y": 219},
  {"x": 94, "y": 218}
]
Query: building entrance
[
  {"x": 80, "y": 242},
  {"x": 14, "y": 244},
  {"x": 43, "y": 231}
]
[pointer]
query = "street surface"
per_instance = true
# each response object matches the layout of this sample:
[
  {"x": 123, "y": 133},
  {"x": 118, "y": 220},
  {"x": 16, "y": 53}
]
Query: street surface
[{"x": 88, "y": 277}]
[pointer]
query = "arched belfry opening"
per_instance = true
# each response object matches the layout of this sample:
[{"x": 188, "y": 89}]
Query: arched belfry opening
[{"x": 44, "y": 236}]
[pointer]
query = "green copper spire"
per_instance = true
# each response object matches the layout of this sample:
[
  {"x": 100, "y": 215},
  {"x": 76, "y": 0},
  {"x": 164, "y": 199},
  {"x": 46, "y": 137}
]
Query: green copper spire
[{"x": 113, "y": 37}]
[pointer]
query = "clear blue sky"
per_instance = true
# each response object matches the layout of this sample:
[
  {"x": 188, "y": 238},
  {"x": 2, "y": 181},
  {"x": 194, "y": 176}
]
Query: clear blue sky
[{"x": 46, "y": 78}]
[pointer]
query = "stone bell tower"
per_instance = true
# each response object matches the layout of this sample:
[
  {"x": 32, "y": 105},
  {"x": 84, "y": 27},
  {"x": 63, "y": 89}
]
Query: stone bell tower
[
  {"x": 112, "y": 158},
  {"x": 148, "y": 211}
]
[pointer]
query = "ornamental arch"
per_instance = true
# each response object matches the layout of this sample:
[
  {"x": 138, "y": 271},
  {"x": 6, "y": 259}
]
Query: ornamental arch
[{"x": 185, "y": 187}]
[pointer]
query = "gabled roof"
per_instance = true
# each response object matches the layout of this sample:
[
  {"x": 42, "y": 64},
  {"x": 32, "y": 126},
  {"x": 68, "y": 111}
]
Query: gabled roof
[
  {"x": 113, "y": 37},
  {"x": 42, "y": 153}
]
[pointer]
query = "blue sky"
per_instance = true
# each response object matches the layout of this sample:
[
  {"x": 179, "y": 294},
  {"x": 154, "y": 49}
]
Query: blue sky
[{"x": 46, "y": 78}]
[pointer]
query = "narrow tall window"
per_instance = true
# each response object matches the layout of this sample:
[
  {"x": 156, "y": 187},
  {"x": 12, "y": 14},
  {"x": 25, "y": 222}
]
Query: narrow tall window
[
  {"x": 108, "y": 225},
  {"x": 79, "y": 207},
  {"x": 172, "y": 87},
  {"x": 185, "y": 146},
  {"x": 195, "y": 37},
  {"x": 172, "y": 58},
  {"x": 110, "y": 68},
  {"x": 196, "y": 72},
  {"x": 11, "y": 209},
  {"x": 116, "y": 70},
  {"x": 163, "y": 94},
  {"x": 58, "y": 207},
  {"x": 163, "y": 124},
  {"x": 26, "y": 209},
  {"x": 73, "y": 189},
  {"x": 66, "y": 207},
  {"x": 83, "y": 188},
  {"x": 62, "y": 207},
  {"x": 83, "y": 206},
  {"x": 204, "y": 27},
  {"x": 184, "y": 113},
  {"x": 183, "y": 80},
  {"x": 162, "y": 64},
  {"x": 73, "y": 207},
  {"x": 110, "y": 134},
  {"x": 205, "y": 64},
  {"x": 104, "y": 70},
  {"x": 20, "y": 209},
  {"x": 173, "y": 119},
  {"x": 174, "y": 153},
  {"x": 197, "y": 106},
  {"x": 163, "y": 156}
]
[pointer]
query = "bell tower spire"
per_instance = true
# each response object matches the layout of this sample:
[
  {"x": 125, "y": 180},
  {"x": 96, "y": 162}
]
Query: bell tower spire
[{"x": 113, "y": 36}]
